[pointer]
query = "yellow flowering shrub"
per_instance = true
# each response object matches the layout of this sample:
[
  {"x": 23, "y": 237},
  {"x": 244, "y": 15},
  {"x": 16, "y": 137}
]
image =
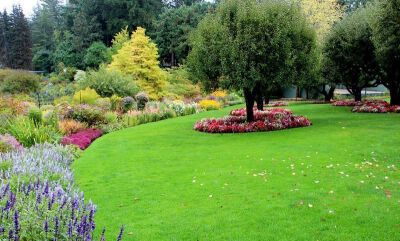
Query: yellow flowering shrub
[
  {"x": 219, "y": 93},
  {"x": 209, "y": 104}
]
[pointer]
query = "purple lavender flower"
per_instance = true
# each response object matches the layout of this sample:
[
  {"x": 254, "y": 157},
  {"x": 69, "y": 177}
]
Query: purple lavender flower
[{"x": 120, "y": 234}]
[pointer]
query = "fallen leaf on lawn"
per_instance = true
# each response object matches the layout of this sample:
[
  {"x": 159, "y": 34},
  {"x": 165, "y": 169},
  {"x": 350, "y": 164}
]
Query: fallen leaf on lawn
[
  {"x": 310, "y": 205},
  {"x": 210, "y": 195},
  {"x": 301, "y": 203}
]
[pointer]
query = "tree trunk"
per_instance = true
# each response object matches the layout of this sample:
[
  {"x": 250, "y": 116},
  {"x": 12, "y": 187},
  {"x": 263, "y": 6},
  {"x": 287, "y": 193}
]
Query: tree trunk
[
  {"x": 307, "y": 94},
  {"x": 172, "y": 58},
  {"x": 259, "y": 101},
  {"x": 248, "y": 96},
  {"x": 330, "y": 93},
  {"x": 357, "y": 94},
  {"x": 395, "y": 96},
  {"x": 266, "y": 98}
]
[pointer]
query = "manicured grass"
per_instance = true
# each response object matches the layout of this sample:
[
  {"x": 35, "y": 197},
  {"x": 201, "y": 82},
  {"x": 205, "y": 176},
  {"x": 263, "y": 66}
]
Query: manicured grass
[{"x": 262, "y": 184}]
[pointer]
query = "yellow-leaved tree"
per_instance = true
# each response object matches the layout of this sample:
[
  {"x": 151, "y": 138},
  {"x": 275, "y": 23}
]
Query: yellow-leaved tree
[
  {"x": 322, "y": 14},
  {"x": 138, "y": 57}
]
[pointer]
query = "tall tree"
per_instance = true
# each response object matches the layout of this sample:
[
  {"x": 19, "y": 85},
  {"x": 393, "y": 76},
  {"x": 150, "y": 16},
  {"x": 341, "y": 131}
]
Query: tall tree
[
  {"x": 5, "y": 25},
  {"x": 172, "y": 28},
  {"x": 351, "y": 52},
  {"x": 138, "y": 58},
  {"x": 263, "y": 43},
  {"x": 351, "y": 5},
  {"x": 20, "y": 40},
  {"x": 386, "y": 36}
]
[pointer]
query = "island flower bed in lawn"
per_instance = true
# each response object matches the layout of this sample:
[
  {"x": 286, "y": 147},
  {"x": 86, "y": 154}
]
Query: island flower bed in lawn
[
  {"x": 358, "y": 103},
  {"x": 376, "y": 107},
  {"x": 266, "y": 120}
]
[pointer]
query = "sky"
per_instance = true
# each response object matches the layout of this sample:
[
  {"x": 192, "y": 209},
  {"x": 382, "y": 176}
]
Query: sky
[{"x": 27, "y": 5}]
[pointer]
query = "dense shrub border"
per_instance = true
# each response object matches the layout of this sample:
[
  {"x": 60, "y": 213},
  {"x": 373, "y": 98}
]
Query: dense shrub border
[{"x": 266, "y": 120}]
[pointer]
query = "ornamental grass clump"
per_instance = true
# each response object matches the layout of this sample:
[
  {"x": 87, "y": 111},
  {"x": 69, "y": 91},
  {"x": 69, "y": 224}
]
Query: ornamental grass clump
[
  {"x": 266, "y": 120},
  {"x": 182, "y": 109}
]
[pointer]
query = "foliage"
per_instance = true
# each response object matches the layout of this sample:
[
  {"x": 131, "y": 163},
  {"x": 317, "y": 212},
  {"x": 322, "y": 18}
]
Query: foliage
[
  {"x": 108, "y": 82},
  {"x": 86, "y": 96},
  {"x": 172, "y": 28},
  {"x": 128, "y": 103},
  {"x": 12, "y": 106},
  {"x": 180, "y": 83},
  {"x": 133, "y": 118},
  {"x": 182, "y": 109},
  {"x": 116, "y": 102},
  {"x": 209, "y": 104},
  {"x": 36, "y": 115},
  {"x": 85, "y": 113},
  {"x": 66, "y": 73},
  {"x": 20, "y": 82},
  {"x": 96, "y": 55},
  {"x": 68, "y": 127},
  {"x": 138, "y": 58},
  {"x": 82, "y": 138},
  {"x": 141, "y": 99},
  {"x": 119, "y": 39},
  {"x": 322, "y": 15},
  {"x": 257, "y": 45},
  {"x": 386, "y": 37},
  {"x": 67, "y": 54},
  {"x": 15, "y": 40},
  {"x": 28, "y": 133},
  {"x": 9, "y": 143},
  {"x": 351, "y": 53},
  {"x": 110, "y": 117},
  {"x": 43, "y": 61}
]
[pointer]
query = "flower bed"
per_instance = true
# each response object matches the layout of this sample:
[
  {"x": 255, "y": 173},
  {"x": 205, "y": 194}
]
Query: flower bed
[
  {"x": 82, "y": 138},
  {"x": 358, "y": 103},
  {"x": 39, "y": 199},
  {"x": 267, "y": 120},
  {"x": 276, "y": 104},
  {"x": 376, "y": 107}
]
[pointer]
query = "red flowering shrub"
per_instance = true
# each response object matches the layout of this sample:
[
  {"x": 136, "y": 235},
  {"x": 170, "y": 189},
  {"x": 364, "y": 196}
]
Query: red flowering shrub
[
  {"x": 376, "y": 107},
  {"x": 82, "y": 138},
  {"x": 267, "y": 120}
]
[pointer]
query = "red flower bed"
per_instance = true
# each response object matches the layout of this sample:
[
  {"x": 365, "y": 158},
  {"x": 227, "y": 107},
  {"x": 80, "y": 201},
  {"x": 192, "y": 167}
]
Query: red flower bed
[
  {"x": 376, "y": 107},
  {"x": 267, "y": 120},
  {"x": 358, "y": 103},
  {"x": 82, "y": 138}
]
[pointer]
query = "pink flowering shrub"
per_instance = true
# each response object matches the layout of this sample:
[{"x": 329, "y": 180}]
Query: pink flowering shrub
[
  {"x": 9, "y": 143},
  {"x": 267, "y": 120},
  {"x": 82, "y": 138}
]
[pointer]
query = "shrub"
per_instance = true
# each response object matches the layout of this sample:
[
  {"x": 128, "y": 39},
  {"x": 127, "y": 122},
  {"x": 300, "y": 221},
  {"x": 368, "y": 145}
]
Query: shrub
[
  {"x": 83, "y": 138},
  {"x": 182, "y": 109},
  {"x": 51, "y": 117},
  {"x": 128, "y": 103},
  {"x": 179, "y": 83},
  {"x": 209, "y": 104},
  {"x": 110, "y": 117},
  {"x": 4, "y": 73},
  {"x": 110, "y": 82},
  {"x": 20, "y": 81},
  {"x": 116, "y": 102},
  {"x": 35, "y": 114},
  {"x": 86, "y": 96},
  {"x": 12, "y": 106},
  {"x": 103, "y": 103},
  {"x": 9, "y": 143},
  {"x": 28, "y": 133},
  {"x": 66, "y": 73},
  {"x": 86, "y": 113},
  {"x": 67, "y": 99},
  {"x": 68, "y": 127},
  {"x": 219, "y": 93},
  {"x": 95, "y": 55},
  {"x": 141, "y": 99},
  {"x": 43, "y": 60}
]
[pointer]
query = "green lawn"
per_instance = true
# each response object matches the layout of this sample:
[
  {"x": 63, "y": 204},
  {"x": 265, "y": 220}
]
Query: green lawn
[{"x": 324, "y": 182}]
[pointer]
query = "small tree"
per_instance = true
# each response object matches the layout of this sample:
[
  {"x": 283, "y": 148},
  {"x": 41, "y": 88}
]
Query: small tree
[
  {"x": 386, "y": 36},
  {"x": 138, "y": 58},
  {"x": 350, "y": 52},
  {"x": 260, "y": 45},
  {"x": 95, "y": 55}
]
